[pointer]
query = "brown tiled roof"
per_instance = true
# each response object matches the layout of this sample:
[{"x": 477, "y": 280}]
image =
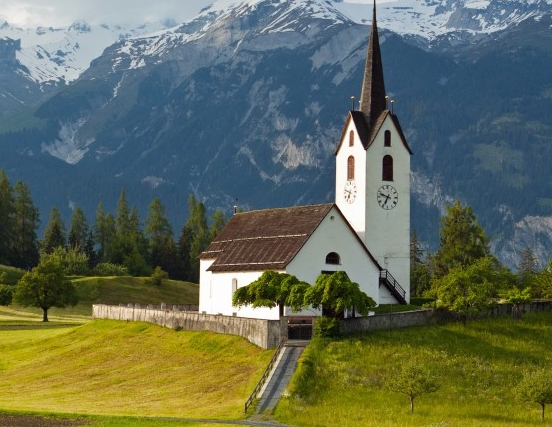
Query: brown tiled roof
[{"x": 264, "y": 239}]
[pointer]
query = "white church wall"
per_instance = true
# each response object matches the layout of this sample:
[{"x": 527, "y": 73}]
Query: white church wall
[{"x": 333, "y": 235}]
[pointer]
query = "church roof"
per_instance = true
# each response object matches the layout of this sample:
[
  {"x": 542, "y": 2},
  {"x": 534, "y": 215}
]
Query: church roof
[{"x": 264, "y": 239}]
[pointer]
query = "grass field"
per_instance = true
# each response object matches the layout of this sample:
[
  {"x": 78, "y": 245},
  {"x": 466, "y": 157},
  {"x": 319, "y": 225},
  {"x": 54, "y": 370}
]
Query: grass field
[{"x": 341, "y": 382}]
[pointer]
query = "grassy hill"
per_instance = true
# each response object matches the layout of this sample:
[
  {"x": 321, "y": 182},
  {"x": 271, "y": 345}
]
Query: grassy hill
[{"x": 342, "y": 382}]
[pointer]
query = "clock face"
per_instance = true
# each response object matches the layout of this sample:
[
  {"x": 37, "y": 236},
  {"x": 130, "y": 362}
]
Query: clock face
[
  {"x": 387, "y": 197},
  {"x": 350, "y": 191}
]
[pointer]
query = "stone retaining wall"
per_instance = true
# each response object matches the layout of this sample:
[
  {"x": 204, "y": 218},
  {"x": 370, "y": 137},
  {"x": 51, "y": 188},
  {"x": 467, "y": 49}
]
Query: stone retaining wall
[{"x": 264, "y": 333}]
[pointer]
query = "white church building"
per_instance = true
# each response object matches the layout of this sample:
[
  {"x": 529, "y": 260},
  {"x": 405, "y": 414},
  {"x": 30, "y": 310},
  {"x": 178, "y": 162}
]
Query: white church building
[{"x": 365, "y": 233}]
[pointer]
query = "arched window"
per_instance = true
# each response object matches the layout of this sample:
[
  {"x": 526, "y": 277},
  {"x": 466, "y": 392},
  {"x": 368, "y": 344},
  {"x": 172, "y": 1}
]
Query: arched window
[
  {"x": 351, "y": 138},
  {"x": 387, "y": 168},
  {"x": 387, "y": 138},
  {"x": 234, "y": 285},
  {"x": 333, "y": 258},
  {"x": 350, "y": 168}
]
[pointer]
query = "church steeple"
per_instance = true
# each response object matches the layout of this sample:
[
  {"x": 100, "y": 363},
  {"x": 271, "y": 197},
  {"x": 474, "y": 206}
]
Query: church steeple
[{"x": 372, "y": 99}]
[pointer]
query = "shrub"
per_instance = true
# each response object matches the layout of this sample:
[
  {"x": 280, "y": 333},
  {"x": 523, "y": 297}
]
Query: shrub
[
  {"x": 108, "y": 269},
  {"x": 6, "y": 294},
  {"x": 158, "y": 277},
  {"x": 326, "y": 327}
]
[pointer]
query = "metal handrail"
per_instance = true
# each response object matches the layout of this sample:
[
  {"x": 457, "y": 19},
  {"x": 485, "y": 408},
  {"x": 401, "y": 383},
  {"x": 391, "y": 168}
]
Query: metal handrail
[
  {"x": 384, "y": 274},
  {"x": 265, "y": 374}
]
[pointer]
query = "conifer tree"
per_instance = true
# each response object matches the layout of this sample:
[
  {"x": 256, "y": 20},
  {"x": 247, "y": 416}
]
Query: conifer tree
[
  {"x": 78, "y": 231},
  {"x": 6, "y": 218},
  {"x": 54, "y": 233},
  {"x": 25, "y": 224},
  {"x": 104, "y": 233}
]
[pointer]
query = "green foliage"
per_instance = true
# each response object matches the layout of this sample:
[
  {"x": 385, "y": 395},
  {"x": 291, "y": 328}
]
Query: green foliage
[
  {"x": 272, "y": 289},
  {"x": 542, "y": 282},
  {"x": 73, "y": 262},
  {"x": 46, "y": 286},
  {"x": 536, "y": 387},
  {"x": 158, "y": 277},
  {"x": 412, "y": 379},
  {"x": 6, "y": 291},
  {"x": 336, "y": 293},
  {"x": 463, "y": 240},
  {"x": 109, "y": 269},
  {"x": 25, "y": 224},
  {"x": 54, "y": 233},
  {"x": 471, "y": 289},
  {"x": 326, "y": 327},
  {"x": 527, "y": 268},
  {"x": 420, "y": 276},
  {"x": 517, "y": 298}
]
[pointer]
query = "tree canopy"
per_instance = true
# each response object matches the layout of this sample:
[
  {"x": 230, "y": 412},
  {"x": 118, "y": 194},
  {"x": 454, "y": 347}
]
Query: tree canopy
[{"x": 46, "y": 286}]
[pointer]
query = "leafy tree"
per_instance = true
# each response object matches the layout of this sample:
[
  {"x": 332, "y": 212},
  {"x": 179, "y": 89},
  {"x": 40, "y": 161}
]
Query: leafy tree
[
  {"x": 158, "y": 277},
  {"x": 517, "y": 298},
  {"x": 413, "y": 380},
  {"x": 336, "y": 293},
  {"x": 78, "y": 230},
  {"x": 420, "y": 277},
  {"x": 25, "y": 223},
  {"x": 470, "y": 289},
  {"x": 6, "y": 218},
  {"x": 542, "y": 282},
  {"x": 54, "y": 233},
  {"x": 6, "y": 291},
  {"x": 536, "y": 386},
  {"x": 73, "y": 261},
  {"x": 46, "y": 286},
  {"x": 272, "y": 289},
  {"x": 462, "y": 240}
]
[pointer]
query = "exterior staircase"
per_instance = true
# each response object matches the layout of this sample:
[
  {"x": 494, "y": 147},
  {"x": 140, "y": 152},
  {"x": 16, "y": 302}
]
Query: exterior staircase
[{"x": 393, "y": 286}]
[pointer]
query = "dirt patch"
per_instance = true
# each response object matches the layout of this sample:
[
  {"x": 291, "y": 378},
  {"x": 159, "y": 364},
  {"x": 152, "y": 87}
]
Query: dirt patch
[{"x": 30, "y": 421}]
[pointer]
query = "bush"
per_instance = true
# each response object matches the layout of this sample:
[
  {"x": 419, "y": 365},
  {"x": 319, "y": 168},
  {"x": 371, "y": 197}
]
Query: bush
[
  {"x": 326, "y": 327},
  {"x": 158, "y": 277},
  {"x": 6, "y": 294},
  {"x": 108, "y": 269}
]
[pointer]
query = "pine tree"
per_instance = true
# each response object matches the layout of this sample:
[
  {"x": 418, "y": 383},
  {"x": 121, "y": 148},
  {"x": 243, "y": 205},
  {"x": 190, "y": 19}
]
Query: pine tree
[
  {"x": 420, "y": 277},
  {"x": 197, "y": 222},
  {"x": 78, "y": 231},
  {"x": 54, "y": 233},
  {"x": 162, "y": 250},
  {"x": 527, "y": 268},
  {"x": 463, "y": 240},
  {"x": 25, "y": 224},
  {"x": 104, "y": 233},
  {"x": 218, "y": 221},
  {"x": 6, "y": 218}
]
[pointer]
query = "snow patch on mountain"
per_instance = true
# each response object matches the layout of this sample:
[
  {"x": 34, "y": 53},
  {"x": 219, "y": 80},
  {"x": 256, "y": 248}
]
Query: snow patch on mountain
[{"x": 68, "y": 147}]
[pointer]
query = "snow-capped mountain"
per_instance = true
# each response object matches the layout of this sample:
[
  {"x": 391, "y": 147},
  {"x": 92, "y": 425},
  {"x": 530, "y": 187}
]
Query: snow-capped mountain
[{"x": 247, "y": 100}]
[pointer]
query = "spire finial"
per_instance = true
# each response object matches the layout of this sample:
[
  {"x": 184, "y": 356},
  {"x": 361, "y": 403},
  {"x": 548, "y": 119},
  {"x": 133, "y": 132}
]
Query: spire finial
[{"x": 372, "y": 99}]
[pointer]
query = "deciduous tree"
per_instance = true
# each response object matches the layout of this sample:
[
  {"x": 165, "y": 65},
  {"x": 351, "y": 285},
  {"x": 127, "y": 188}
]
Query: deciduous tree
[
  {"x": 536, "y": 387},
  {"x": 46, "y": 286},
  {"x": 413, "y": 380},
  {"x": 336, "y": 293}
]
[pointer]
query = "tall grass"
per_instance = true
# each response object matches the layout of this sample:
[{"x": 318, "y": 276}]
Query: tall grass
[{"x": 341, "y": 382}]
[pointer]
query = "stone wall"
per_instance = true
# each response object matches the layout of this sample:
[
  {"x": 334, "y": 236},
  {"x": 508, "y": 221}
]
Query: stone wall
[{"x": 264, "y": 333}]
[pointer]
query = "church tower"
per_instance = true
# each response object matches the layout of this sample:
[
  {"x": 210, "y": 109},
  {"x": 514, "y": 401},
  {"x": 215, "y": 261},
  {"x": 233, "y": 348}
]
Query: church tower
[{"x": 372, "y": 186}]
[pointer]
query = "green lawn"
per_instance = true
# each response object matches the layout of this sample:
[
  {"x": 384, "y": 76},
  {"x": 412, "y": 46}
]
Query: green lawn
[
  {"x": 114, "y": 368},
  {"x": 341, "y": 382}
]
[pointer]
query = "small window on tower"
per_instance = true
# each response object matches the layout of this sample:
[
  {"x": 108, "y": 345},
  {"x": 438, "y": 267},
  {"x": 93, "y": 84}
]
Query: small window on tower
[
  {"x": 351, "y": 138},
  {"x": 387, "y": 138},
  {"x": 350, "y": 168},
  {"x": 333, "y": 258},
  {"x": 387, "y": 168}
]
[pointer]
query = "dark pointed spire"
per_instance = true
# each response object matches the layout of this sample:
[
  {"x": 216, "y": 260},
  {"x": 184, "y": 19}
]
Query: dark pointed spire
[{"x": 372, "y": 98}]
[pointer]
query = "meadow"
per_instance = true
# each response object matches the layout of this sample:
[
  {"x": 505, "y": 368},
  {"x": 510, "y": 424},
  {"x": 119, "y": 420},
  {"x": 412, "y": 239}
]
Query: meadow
[{"x": 342, "y": 382}]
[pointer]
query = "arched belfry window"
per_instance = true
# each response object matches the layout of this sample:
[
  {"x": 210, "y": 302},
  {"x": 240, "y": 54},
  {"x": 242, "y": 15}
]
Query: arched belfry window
[
  {"x": 350, "y": 168},
  {"x": 387, "y": 168},
  {"x": 387, "y": 138},
  {"x": 351, "y": 138},
  {"x": 333, "y": 258}
]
